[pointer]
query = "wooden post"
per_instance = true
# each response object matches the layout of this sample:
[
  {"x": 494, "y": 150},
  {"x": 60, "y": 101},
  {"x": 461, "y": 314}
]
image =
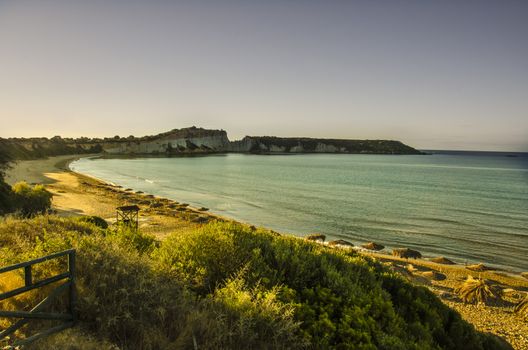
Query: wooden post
[
  {"x": 73, "y": 296},
  {"x": 28, "y": 278}
]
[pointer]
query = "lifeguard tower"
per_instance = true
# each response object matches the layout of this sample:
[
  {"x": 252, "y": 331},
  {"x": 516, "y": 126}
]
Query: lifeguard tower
[{"x": 128, "y": 215}]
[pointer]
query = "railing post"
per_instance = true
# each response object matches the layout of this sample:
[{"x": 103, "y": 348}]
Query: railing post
[
  {"x": 73, "y": 296},
  {"x": 28, "y": 278}
]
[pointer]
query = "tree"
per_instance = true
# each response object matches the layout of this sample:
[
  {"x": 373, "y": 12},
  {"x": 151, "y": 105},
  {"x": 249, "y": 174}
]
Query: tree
[{"x": 31, "y": 200}]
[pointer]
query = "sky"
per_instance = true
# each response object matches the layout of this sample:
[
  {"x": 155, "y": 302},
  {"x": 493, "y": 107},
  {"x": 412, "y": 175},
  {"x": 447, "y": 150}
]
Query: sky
[{"x": 433, "y": 74}]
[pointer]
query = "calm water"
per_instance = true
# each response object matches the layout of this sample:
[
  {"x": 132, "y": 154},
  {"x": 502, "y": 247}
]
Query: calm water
[{"x": 464, "y": 206}]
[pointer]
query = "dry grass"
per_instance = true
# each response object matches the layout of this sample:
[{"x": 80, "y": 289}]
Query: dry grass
[{"x": 72, "y": 339}]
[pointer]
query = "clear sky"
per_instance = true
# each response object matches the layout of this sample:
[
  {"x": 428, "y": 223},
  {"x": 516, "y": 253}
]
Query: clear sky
[{"x": 433, "y": 74}]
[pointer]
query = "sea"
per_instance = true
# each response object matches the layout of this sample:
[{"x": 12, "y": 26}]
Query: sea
[{"x": 471, "y": 207}]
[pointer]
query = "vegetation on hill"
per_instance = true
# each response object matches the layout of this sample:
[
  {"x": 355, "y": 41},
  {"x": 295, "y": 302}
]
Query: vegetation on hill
[
  {"x": 34, "y": 148},
  {"x": 22, "y": 198},
  {"x": 26, "y": 199},
  {"x": 228, "y": 286},
  {"x": 309, "y": 145},
  {"x": 31, "y": 200},
  {"x": 39, "y": 147}
]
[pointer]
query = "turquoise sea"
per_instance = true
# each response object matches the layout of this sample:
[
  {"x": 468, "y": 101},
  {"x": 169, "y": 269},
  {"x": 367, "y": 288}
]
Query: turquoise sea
[{"x": 468, "y": 206}]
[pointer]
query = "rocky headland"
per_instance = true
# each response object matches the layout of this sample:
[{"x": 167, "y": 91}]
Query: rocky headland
[{"x": 193, "y": 140}]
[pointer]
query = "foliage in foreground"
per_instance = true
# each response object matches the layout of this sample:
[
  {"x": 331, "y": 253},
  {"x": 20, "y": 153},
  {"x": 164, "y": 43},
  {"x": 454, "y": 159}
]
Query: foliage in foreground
[{"x": 229, "y": 287}]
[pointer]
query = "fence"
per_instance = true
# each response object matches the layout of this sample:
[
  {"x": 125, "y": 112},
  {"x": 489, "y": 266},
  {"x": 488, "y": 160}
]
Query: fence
[{"x": 37, "y": 312}]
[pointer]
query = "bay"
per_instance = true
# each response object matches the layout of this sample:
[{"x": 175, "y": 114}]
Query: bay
[{"x": 468, "y": 206}]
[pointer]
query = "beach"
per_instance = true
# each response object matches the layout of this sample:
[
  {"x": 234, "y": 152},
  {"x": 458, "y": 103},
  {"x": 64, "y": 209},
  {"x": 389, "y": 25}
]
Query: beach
[
  {"x": 468, "y": 208},
  {"x": 77, "y": 194}
]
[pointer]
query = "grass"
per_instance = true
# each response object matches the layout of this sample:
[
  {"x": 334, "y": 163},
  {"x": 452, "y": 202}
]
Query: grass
[{"x": 228, "y": 286}]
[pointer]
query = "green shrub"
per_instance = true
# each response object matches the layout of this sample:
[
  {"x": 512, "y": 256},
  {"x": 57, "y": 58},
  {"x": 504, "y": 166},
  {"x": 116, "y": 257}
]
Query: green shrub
[
  {"x": 132, "y": 239},
  {"x": 96, "y": 220},
  {"x": 237, "y": 316},
  {"x": 31, "y": 200},
  {"x": 341, "y": 299}
]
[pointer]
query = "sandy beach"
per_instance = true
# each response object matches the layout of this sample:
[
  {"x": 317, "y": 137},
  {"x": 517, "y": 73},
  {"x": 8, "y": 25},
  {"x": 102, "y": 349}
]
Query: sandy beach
[{"x": 76, "y": 194}]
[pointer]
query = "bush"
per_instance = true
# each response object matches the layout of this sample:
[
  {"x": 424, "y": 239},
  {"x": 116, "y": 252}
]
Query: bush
[
  {"x": 96, "y": 220},
  {"x": 340, "y": 299},
  {"x": 132, "y": 239},
  {"x": 6, "y": 197},
  {"x": 237, "y": 316},
  {"x": 30, "y": 200},
  {"x": 120, "y": 298}
]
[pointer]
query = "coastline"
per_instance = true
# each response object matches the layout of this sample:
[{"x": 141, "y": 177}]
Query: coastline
[
  {"x": 79, "y": 194},
  {"x": 34, "y": 171},
  {"x": 437, "y": 207}
]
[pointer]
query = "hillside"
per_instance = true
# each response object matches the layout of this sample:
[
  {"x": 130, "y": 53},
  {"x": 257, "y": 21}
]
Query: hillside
[
  {"x": 229, "y": 286},
  {"x": 191, "y": 141},
  {"x": 188, "y": 140},
  {"x": 271, "y": 144}
]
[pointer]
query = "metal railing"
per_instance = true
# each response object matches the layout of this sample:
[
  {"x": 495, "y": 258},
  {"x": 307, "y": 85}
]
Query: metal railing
[{"x": 37, "y": 312}]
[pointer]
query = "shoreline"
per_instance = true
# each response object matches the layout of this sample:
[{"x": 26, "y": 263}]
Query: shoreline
[
  {"x": 429, "y": 251},
  {"x": 62, "y": 163},
  {"x": 79, "y": 194}
]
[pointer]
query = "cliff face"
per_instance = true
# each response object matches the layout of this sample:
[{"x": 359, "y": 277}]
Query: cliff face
[
  {"x": 270, "y": 145},
  {"x": 190, "y": 140}
]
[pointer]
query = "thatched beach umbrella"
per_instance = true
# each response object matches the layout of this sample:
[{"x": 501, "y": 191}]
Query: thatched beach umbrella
[
  {"x": 373, "y": 246},
  {"x": 341, "y": 242},
  {"x": 406, "y": 253},
  {"x": 476, "y": 290},
  {"x": 442, "y": 260},
  {"x": 433, "y": 275},
  {"x": 478, "y": 267},
  {"x": 316, "y": 237}
]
